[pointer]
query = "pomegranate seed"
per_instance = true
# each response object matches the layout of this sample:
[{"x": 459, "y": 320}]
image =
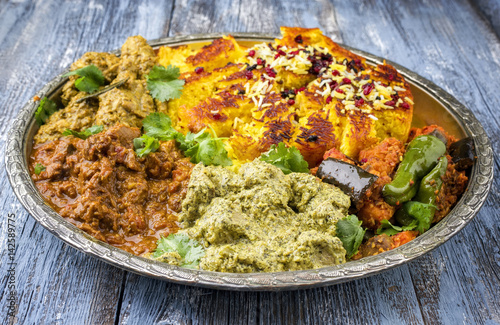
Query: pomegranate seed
[
  {"x": 217, "y": 116},
  {"x": 340, "y": 91},
  {"x": 390, "y": 76},
  {"x": 346, "y": 81},
  {"x": 390, "y": 103},
  {"x": 294, "y": 52},
  {"x": 298, "y": 39},
  {"x": 359, "y": 102},
  {"x": 329, "y": 99},
  {"x": 335, "y": 73},
  {"x": 270, "y": 72},
  {"x": 301, "y": 89},
  {"x": 251, "y": 53},
  {"x": 368, "y": 90},
  {"x": 199, "y": 70},
  {"x": 405, "y": 105},
  {"x": 278, "y": 47},
  {"x": 249, "y": 74},
  {"x": 357, "y": 61},
  {"x": 364, "y": 160},
  {"x": 384, "y": 84},
  {"x": 291, "y": 102},
  {"x": 260, "y": 61}
]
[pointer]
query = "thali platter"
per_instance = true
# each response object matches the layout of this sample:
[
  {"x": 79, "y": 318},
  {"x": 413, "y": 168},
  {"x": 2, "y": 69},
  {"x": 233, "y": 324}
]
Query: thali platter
[{"x": 432, "y": 106}]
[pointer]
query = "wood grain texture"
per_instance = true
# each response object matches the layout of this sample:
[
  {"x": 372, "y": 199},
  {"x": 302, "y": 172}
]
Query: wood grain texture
[
  {"x": 56, "y": 283},
  {"x": 453, "y": 44}
]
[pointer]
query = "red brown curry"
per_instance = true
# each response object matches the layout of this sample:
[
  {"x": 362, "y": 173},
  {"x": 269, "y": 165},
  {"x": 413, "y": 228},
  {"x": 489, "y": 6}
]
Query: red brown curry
[{"x": 101, "y": 186}]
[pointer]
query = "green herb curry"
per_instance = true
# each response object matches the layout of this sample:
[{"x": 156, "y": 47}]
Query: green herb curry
[{"x": 261, "y": 220}]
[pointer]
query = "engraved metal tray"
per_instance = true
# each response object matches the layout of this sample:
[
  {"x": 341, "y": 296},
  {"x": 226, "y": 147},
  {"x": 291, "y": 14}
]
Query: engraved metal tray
[{"x": 432, "y": 105}]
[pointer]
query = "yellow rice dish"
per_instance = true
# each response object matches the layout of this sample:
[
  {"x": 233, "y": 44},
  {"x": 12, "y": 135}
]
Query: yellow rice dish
[{"x": 303, "y": 90}]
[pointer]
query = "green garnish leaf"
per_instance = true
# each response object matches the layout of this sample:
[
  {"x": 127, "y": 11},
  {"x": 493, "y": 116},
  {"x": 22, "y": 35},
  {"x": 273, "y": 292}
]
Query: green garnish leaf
[
  {"x": 203, "y": 147},
  {"x": 44, "y": 110},
  {"x": 389, "y": 229},
  {"x": 94, "y": 129},
  {"x": 39, "y": 168},
  {"x": 189, "y": 249},
  {"x": 351, "y": 234},
  {"x": 91, "y": 78},
  {"x": 164, "y": 83},
  {"x": 145, "y": 145},
  {"x": 422, "y": 212},
  {"x": 159, "y": 125},
  {"x": 289, "y": 160}
]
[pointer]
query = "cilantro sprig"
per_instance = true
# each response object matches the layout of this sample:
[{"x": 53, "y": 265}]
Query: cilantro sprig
[
  {"x": 289, "y": 159},
  {"x": 351, "y": 234},
  {"x": 39, "y": 168},
  {"x": 145, "y": 145},
  {"x": 94, "y": 129},
  {"x": 420, "y": 214},
  {"x": 164, "y": 83},
  {"x": 189, "y": 249},
  {"x": 201, "y": 146},
  {"x": 386, "y": 227},
  {"x": 44, "y": 110},
  {"x": 91, "y": 78},
  {"x": 159, "y": 126}
]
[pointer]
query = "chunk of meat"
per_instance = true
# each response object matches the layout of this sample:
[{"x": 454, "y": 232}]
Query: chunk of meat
[
  {"x": 130, "y": 103},
  {"x": 137, "y": 58},
  {"x": 75, "y": 116},
  {"x": 382, "y": 243},
  {"x": 454, "y": 184},
  {"x": 125, "y": 106},
  {"x": 106, "y": 62}
]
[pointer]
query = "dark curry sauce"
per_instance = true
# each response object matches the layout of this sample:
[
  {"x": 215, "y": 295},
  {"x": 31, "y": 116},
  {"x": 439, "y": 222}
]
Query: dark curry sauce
[{"x": 101, "y": 186}]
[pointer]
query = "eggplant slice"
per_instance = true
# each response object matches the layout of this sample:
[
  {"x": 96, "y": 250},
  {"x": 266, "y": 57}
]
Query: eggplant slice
[
  {"x": 351, "y": 179},
  {"x": 462, "y": 153}
]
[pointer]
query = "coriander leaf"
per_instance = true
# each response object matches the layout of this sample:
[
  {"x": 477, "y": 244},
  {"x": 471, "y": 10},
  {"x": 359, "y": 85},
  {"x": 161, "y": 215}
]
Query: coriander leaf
[
  {"x": 289, "y": 160},
  {"x": 351, "y": 234},
  {"x": 189, "y": 249},
  {"x": 164, "y": 83},
  {"x": 145, "y": 145},
  {"x": 202, "y": 147},
  {"x": 192, "y": 139},
  {"x": 44, "y": 110},
  {"x": 159, "y": 125},
  {"x": 91, "y": 78},
  {"x": 94, "y": 129},
  {"x": 422, "y": 212},
  {"x": 389, "y": 229},
  {"x": 39, "y": 168}
]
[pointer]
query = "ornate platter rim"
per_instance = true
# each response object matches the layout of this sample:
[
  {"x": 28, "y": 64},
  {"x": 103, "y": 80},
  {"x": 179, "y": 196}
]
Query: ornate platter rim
[{"x": 477, "y": 191}]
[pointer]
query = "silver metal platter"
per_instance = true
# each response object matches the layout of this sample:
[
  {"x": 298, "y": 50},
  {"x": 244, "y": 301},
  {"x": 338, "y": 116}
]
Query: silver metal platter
[{"x": 432, "y": 105}]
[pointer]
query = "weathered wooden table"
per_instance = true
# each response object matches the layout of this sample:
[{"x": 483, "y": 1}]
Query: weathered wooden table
[{"x": 454, "y": 44}]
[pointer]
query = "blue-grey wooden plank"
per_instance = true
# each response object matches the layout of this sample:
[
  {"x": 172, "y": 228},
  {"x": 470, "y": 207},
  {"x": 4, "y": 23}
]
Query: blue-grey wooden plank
[{"x": 38, "y": 39}]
